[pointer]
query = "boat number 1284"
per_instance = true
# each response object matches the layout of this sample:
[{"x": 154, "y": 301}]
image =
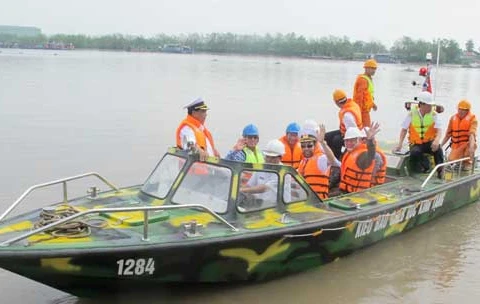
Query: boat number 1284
[{"x": 130, "y": 267}]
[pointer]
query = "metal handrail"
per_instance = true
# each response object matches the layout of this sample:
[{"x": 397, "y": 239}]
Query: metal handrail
[
  {"x": 65, "y": 194},
  {"x": 120, "y": 209},
  {"x": 443, "y": 165}
]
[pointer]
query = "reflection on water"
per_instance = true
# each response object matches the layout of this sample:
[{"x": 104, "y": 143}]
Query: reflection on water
[{"x": 115, "y": 113}]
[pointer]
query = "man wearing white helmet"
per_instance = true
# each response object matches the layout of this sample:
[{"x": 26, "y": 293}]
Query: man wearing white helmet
[
  {"x": 263, "y": 185},
  {"x": 424, "y": 130},
  {"x": 358, "y": 160}
]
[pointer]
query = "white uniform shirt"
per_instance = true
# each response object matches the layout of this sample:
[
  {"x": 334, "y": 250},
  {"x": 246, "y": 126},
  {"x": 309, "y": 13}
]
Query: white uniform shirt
[
  {"x": 268, "y": 179},
  {"x": 187, "y": 135},
  {"x": 349, "y": 120},
  {"x": 322, "y": 163}
]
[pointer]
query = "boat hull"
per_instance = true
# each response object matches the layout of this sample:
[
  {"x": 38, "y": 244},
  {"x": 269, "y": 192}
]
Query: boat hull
[{"x": 254, "y": 256}]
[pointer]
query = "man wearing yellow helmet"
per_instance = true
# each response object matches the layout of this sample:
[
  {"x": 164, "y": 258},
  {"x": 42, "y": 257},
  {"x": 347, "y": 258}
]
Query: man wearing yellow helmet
[
  {"x": 349, "y": 115},
  {"x": 363, "y": 91},
  {"x": 462, "y": 132}
]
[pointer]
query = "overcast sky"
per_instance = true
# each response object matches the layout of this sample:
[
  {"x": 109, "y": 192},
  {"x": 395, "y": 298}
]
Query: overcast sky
[{"x": 383, "y": 20}]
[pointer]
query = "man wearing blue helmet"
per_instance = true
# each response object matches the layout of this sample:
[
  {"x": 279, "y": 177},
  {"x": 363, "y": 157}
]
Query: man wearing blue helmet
[
  {"x": 246, "y": 149},
  {"x": 293, "y": 151}
]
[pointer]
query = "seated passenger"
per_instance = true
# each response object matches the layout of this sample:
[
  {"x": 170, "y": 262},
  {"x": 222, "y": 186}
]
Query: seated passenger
[
  {"x": 262, "y": 187},
  {"x": 293, "y": 152},
  {"x": 311, "y": 126},
  {"x": 358, "y": 160},
  {"x": 246, "y": 149},
  {"x": 462, "y": 132},
  {"x": 424, "y": 130},
  {"x": 315, "y": 168}
]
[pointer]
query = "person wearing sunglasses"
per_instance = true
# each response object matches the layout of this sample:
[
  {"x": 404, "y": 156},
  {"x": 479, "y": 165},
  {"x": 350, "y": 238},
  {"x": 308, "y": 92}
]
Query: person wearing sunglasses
[
  {"x": 192, "y": 133},
  {"x": 246, "y": 149},
  {"x": 349, "y": 115},
  {"x": 358, "y": 161},
  {"x": 315, "y": 168}
]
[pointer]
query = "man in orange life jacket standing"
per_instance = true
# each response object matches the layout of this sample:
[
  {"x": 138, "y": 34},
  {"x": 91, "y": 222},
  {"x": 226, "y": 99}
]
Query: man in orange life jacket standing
[
  {"x": 349, "y": 116},
  {"x": 424, "y": 129},
  {"x": 293, "y": 151},
  {"x": 358, "y": 161},
  {"x": 462, "y": 131},
  {"x": 363, "y": 91},
  {"x": 192, "y": 131},
  {"x": 315, "y": 168}
]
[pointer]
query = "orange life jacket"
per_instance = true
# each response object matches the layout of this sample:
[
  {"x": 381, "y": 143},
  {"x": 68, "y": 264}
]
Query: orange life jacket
[
  {"x": 201, "y": 136},
  {"x": 318, "y": 180},
  {"x": 291, "y": 157},
  {"x": 460, "y": 132},
  {"x": 422, "y": 129},
  {"x": 352, "y": 178},
  {"x": 364, "y": 98},
  {"x": 351, "y": 107},
  {"x": 379, "y": 177}
]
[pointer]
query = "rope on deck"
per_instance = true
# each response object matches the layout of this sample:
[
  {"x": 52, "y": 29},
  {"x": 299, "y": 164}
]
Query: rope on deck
[{"x": 73, "y": 229}]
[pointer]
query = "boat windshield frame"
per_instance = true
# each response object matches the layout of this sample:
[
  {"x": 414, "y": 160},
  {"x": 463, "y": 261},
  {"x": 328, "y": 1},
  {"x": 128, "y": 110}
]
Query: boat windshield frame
[
  {"x": 182, "y": 180},
  {"x": 218, "y": 187},
  {"x": 148, "y": 184}
]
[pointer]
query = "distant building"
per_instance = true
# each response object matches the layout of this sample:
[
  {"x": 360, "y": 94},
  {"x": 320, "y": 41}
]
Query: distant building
[
  {"x": 470, "y": 59},
  {"x": 21, "y": 31},
  {"x": 176, "y": 48},
  {"x": 385, "y": 58}
]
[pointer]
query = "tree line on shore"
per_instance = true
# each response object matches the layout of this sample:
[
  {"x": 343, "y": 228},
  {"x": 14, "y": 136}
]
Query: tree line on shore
[{"x": 405, "y": 49}]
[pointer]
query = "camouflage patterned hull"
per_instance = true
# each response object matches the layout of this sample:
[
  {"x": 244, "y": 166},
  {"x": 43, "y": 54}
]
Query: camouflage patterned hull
[{"x": 266, "y": 244}]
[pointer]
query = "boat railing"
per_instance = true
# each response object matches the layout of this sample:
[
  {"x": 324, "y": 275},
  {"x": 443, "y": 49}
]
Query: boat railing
[
  {"x": 145, "y": 210},
  {"x": 55, "y": 182},
  {"x": 449, "y": 163}
]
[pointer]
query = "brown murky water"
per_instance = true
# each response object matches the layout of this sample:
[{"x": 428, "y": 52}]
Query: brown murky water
[{"x": 65, "y": 113}]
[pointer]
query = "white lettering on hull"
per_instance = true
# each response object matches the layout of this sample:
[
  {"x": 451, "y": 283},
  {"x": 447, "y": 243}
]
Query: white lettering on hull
[{"x": 365, "y": 227}]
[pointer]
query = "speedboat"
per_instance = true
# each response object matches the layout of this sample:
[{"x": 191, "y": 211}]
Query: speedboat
[{"x": 190, "y": 223}]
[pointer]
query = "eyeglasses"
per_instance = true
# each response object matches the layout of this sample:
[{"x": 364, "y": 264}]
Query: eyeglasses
[
  {"x": 307, "y": 145},
  {"x": 251, "y": 137}
]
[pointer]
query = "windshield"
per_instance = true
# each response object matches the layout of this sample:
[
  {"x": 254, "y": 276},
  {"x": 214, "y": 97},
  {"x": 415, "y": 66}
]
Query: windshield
[
  {"x": 163, "y": 177},
  {"x": 205, "y": 184}
]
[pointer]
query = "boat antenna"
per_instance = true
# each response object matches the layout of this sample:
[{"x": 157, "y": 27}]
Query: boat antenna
[{"x": 436, "y": 70}]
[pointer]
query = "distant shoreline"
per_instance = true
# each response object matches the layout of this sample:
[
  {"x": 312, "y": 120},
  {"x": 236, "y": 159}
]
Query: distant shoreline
[{"x": 319, "y": 58}]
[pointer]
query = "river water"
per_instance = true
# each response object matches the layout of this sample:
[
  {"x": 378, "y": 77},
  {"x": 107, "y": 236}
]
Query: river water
[{"x": 64, "y": 113}]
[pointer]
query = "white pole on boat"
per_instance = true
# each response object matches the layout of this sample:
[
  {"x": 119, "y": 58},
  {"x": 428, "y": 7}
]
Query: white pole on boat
[{"x": 436, "y": 70}]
